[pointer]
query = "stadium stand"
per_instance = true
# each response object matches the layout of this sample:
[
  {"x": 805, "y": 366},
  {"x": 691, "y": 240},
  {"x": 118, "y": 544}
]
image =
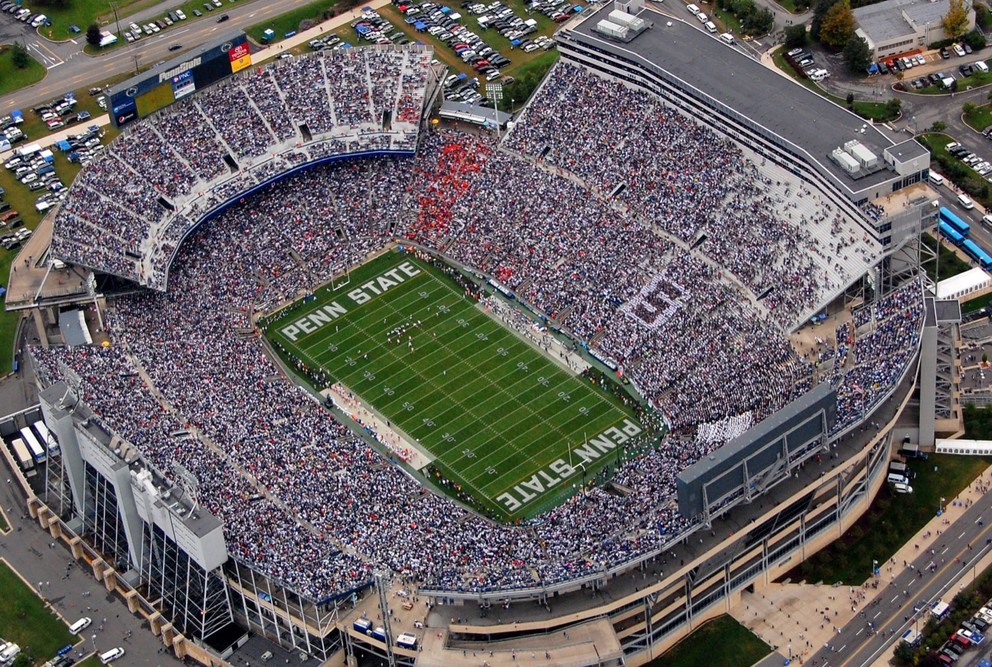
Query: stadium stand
[
  {"x": 207, "y": 149},
  {"x": 687, "y": 267}
]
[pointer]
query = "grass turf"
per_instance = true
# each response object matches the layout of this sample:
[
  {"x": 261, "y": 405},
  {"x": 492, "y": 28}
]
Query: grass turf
[
  {"x": 722, "y": 642},
  {"x": 290, "y": 21},
  {"x": 14, "y": 78},
  {"x": 80, "y": 13},
  {"x": 26, "y": 621},
  {"x": 501, "y": 419}
]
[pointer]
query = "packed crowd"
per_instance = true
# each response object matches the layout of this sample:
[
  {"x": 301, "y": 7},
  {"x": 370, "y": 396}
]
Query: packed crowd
[
  {"x": 615, "y": 272},
  {"x": 162, "y": 171},
  {"x": 699, "y": 184}
]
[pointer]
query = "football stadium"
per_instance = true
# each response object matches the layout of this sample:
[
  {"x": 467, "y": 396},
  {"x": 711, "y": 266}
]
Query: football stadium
[{"x": 608, "y": 369}]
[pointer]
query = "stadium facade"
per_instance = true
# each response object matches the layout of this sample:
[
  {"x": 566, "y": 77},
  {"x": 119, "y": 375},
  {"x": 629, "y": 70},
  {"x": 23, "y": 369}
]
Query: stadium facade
[{"x": 154, "y": 536}]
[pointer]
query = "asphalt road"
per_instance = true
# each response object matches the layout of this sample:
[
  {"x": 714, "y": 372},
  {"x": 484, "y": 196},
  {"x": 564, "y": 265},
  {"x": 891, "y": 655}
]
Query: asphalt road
[
  {"x": 959, "y": 547},
  {"x": 69, "y": 68}
]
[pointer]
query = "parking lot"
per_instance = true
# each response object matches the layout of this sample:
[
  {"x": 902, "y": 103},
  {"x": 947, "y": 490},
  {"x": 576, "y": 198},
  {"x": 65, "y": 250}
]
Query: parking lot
[{"x": 480, "y": 42}]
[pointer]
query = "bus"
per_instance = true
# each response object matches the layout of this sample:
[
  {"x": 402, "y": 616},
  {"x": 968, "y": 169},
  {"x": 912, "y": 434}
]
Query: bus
[
  {"x": 976, "y": 253},
  {"x": 46, "y": 437},
  {"x": 23, "y": 457},
  {"x": 951, "y": 234},
  {"x": 951, "y": 218},
  {"x": 37, "y": 451}
]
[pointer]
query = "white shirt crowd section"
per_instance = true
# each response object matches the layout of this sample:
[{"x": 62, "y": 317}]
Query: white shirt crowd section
[
  {"x": 604, "y": 271},
  {"x": 209, "y": 147}
]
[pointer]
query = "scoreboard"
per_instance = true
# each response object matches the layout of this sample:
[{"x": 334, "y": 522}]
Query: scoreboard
[{"x": 164, "y": 84}]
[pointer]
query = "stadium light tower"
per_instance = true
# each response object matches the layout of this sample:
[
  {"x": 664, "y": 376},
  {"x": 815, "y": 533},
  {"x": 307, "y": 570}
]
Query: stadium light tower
[{"x": 494, "y": 91}]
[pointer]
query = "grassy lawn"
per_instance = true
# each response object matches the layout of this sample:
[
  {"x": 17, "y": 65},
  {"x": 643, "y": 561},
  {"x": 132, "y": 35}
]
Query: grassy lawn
[
  {"x": 725, "y": 21},
  {"x": 893, "y": 519},
  {"x": 78, "y": 12},
  {"x": 14, "y": 79},
  {"x": 722, "y": 642},
  {"x": 980, "y": 118},
  {"x": 878, "y": 111},
  {"x": 26, "y": 621},
  {"x": 950, "y": 263},
  {"x": 290, "y": 21},
  {"x": 972, "y": 305},
  {"x": 92, "y": 661},
  {"x": 4, "y": 526}
]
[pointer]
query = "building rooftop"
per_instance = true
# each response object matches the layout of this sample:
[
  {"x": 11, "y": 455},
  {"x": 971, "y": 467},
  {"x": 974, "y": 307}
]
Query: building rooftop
[
  {"x": 768, "y": 98},
  {"x": 892, "y": 19}
]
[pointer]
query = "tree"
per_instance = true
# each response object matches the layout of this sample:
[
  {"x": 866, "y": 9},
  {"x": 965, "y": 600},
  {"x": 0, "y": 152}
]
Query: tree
[
  {"x": 983, "y": 16},
  {"x": 93, "y": 36},
  {"x": 19, "y": 56},
  {"x": 850, "y": 100},
  {"x": 857, "y": 55},
  {"x": 975, "y": 39},
  {"x": 938, "y": 126},
  {"x": 795, "y": 36},
  {"x": 819, "y": 12},
  {"x": 893, "y": 107},
  {"x": 955, "y": 21},
  {"x": 838, "y": 25},
  {"x": 969, "y": 108},
  {"x": 759, "y": 22}
]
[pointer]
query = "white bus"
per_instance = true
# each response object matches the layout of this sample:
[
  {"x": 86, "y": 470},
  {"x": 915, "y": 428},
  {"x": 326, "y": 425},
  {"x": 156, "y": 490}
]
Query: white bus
[
  {"x": 46, "y": 436},
  {"x": 23, "y": 456},
  {"x": 37, "y": 451}
]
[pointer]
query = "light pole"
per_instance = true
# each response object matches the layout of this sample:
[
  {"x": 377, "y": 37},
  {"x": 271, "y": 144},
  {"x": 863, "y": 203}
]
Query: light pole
[
  {"x": 113, "y": 6},
  {"x": 494, "y": 91}
]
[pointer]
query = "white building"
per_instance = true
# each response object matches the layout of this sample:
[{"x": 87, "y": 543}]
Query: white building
[{"x": 894, "y": 27}]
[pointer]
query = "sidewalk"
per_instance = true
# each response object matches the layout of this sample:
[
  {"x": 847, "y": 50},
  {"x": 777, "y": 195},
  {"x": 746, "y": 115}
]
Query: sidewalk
[{"x": 808, "y": 615}]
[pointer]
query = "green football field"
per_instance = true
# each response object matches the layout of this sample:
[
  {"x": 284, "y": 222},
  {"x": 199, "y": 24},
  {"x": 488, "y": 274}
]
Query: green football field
[{"x": 514, "y": 429}]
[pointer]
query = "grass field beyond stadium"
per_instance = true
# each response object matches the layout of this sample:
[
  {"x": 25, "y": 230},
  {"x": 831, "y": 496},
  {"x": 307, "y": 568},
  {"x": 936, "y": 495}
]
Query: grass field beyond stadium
[{"x": 513, "y": 429}]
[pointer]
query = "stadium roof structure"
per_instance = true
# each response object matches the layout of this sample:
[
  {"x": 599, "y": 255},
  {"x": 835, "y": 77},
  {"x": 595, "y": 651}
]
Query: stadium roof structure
[
  {"x": 473, "y": 113},
  {"x": 765, "y": 97},
  {"x": 167, "y": 65}
]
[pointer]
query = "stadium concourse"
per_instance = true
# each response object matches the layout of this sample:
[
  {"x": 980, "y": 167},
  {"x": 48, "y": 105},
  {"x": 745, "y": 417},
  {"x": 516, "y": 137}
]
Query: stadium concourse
[{"x": 630, "y": 275}]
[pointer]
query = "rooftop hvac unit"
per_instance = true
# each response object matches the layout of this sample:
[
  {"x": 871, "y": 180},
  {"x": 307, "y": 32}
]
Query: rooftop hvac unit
[
  {"x": 847, "y": 163},
  {"x": 628, "y": 21},
  {"x": 611, "y": 29},
  {"x": 865, "y": 157}
]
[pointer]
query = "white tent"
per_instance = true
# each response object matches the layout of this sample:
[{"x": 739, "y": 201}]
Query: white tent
[{"x": 963, "y": 284}]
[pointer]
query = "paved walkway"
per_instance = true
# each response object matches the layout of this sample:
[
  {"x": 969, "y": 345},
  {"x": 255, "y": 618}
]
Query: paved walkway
[{"x": 809, "y": 615}]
